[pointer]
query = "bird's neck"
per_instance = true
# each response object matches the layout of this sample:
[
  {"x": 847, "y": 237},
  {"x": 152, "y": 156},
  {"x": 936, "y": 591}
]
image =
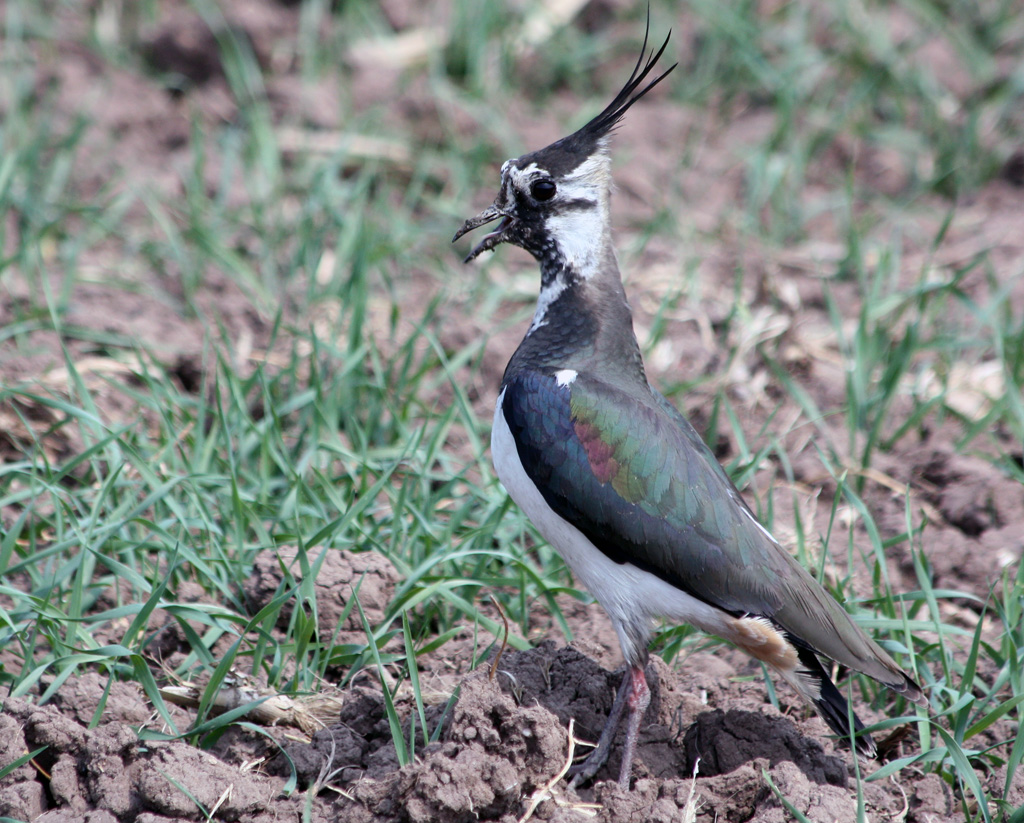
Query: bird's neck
[{"x": 583, "y": 320}]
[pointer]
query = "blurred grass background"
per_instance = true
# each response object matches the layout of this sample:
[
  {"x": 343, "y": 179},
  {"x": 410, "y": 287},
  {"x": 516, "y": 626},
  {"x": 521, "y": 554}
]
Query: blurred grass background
[{"x": 338, "y": 396}]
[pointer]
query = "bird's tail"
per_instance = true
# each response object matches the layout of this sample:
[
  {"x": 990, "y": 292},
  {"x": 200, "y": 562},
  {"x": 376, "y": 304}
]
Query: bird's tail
[{"x": 814, "y": 684}]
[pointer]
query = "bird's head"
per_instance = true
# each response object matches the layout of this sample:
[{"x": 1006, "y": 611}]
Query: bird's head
[{"x": 554, "y": 202}]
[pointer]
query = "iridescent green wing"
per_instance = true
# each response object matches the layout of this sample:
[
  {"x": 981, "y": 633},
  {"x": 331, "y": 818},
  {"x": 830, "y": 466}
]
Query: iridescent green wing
[{"x": 638, "y": 481}]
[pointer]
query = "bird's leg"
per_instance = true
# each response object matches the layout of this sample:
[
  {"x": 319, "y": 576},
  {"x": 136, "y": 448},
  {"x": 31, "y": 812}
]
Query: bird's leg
[
  {"x": 639, "y": 699},
  {"x": 582, "y": 772},
  {"x": 634, "y": 693}
]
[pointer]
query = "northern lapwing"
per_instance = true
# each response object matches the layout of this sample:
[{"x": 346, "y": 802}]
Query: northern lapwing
[{"x": 617, "y": 480}]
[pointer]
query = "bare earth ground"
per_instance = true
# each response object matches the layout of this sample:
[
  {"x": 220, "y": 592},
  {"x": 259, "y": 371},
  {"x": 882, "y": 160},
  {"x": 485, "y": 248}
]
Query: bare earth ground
[{"x": 506, "y": 737}]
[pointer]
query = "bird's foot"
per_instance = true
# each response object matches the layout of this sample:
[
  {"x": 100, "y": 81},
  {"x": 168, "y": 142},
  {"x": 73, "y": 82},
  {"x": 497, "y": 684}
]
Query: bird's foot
[
  {"x": 635, "y": 694},
  {"x": 584, "y": 771}
]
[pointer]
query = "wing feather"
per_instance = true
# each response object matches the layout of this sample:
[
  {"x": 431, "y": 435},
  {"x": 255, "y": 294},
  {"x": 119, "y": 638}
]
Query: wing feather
[{"x": 636, "y": 478}]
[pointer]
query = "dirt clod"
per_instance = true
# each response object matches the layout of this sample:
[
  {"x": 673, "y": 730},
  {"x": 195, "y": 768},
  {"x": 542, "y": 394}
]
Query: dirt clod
[
  {"x": 106, "y": 772},
  {"x": 724, "y": 740},
  {"x": 338, "y": 576}
]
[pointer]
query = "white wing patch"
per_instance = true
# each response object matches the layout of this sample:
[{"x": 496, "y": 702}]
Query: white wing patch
[{"x": 565, "y": 377}]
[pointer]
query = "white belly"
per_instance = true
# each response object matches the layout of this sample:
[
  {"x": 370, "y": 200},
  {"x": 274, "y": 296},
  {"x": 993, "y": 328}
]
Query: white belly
[{"x": 631, "y": 596}]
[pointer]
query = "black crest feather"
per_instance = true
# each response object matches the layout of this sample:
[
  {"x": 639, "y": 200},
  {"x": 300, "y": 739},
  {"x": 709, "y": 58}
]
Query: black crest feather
[
  {"x": 628, "y": 95},
  {"x": 566, "y": 154}
]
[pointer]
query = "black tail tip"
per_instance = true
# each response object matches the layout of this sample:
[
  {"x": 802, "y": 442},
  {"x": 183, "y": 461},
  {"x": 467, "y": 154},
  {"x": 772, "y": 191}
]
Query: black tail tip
[
  {"x": 835, "y": 711},
  {"x": 833, "y": 707}
]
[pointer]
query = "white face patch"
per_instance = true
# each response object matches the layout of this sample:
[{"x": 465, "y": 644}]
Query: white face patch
[
  {"x": 580, "y": 237},
  {"x": 521, "y": 178},
  {"x": 580, "y": 232},
  {"x": 565, "y": 377},
  {"x": 590, "y": 180}
]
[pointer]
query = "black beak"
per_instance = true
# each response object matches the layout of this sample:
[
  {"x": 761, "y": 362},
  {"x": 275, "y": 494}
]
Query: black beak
[{"x": 488, "y": 215}]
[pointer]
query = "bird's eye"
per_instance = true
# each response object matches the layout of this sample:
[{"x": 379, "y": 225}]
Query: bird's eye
[{"x": 542, "y": 190}]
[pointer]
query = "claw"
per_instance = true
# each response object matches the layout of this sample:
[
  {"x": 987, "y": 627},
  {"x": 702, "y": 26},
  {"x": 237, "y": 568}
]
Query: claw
[{"x": 635, "y": 694}]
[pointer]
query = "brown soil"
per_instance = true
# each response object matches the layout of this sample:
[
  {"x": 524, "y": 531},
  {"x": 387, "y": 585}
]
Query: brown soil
[
  {"x": 504, "y": 745},
  {"x": 506, "y": 738}
]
